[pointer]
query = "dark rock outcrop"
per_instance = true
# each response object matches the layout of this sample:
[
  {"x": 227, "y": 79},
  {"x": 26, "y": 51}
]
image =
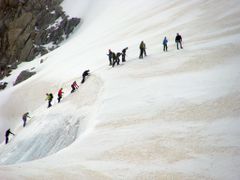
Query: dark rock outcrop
[
  {"x": 23, "y": 76},
  {"x": 27, "y": 26},
  {"x": 3, "y": 85}
]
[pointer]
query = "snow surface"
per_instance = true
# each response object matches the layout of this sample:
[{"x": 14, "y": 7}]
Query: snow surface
[{"x": 171, "y": 115}]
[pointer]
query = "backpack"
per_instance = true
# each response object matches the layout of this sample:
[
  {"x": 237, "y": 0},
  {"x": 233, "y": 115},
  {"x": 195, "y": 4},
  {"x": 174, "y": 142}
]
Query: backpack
[
  {"x": 142, "y": 45},
  {"x": 50, "y": 96}
]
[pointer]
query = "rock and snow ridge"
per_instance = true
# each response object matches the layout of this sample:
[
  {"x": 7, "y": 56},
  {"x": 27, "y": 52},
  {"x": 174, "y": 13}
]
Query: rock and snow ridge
[
  {"x": 172, "y": 115},
  {"x": 28, "y": 27}
]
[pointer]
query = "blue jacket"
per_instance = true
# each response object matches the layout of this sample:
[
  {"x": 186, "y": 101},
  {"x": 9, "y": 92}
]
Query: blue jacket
[{"x": 165, "y": 41}]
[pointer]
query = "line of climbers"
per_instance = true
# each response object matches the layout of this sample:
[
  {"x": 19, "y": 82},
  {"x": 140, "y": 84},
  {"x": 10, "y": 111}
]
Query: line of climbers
[
  {"x": 74, "y": 86},
  {"x": 50, "y": 97},
  {"x": 114, "y": 58}
]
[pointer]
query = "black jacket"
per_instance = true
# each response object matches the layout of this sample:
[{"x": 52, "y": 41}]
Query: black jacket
[
  {"x": 8, "y": 132},
  {"x": 85, "y": 73},
  {"x": 178, "y": 38},
  {"x": 124, "y": 51}
]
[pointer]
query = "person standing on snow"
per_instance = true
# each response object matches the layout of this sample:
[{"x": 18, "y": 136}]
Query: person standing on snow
[
  {"x": 8, "y": 132},
  {"x": 110, "y": 57},
  {"x": 124, "y": 54},
  {"x": 116, "y": 59},
  {"x": 24, "y": 118},
  {"x": 60, "y": 94},
  {"x": 84, "y": 75},
  {"x": 114, "y": 56},
  {"x": 142, "y": 48},
  {"x": 165, "y": 46},
  {"x": 49, "y": 98},
  {"x": 178, "y": 41},
  {"x": 74, "y": 86}
]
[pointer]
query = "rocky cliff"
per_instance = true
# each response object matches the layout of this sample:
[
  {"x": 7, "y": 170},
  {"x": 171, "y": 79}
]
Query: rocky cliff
[{"x": 27, "y": 26}]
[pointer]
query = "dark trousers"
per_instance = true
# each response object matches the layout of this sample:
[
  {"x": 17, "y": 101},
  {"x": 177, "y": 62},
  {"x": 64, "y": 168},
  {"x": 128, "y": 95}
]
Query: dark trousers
[
  {"x": 6, "y": 140},
  {"x": 110, "y": 61},
  {"x": 116, "y": 61},
  {"x": 141, "y": 53},
  {"x": 165, "y": 47},
  {"x": 24, "y": 122},
  {"x": 123, "y": 57},
  {"x": 83, "y": 79},
  {"x": 179, "y": 43},
  {"x": 59, "y": 98},
  {"x": 49, "y": 103},
  {"x": 73, "y": 89},
  {"x": 144, "y": 52}
]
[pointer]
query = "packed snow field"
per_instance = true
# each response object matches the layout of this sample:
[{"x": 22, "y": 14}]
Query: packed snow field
[{"x": 171, "y": 115}]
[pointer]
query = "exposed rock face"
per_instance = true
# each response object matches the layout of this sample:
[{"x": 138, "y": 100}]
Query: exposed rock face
[
  {"x": 27, "y": 25},
  {"x": 23, "y": 76},
  {"x": 3, "y": 85}
]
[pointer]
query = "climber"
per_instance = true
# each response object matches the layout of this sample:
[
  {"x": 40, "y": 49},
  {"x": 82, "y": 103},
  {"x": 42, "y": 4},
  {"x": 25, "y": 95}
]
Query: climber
[
  {"x": 49, "y": 98},
  {"x": 110, "y": 56},
  {"x": 178, "y": 41},
  {"x": 124, "y": 54},
  {"x": 165, "y": 46},
  {"x": 84, "y": 75},
  {"x": 8, "y": 132},
  {"x": 142, "y": 48},
  {"x": 60, "y": 93},
  {"x": 116, "y": 59},
  {"x": 74, "y": 86},
  {"x": 24, "y": 118}
]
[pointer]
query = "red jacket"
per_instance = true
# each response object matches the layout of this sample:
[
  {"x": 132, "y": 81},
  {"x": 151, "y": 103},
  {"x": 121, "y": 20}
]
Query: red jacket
[
  {"x": 60, "y": 92},
  {"x": 75, "y": 84}
]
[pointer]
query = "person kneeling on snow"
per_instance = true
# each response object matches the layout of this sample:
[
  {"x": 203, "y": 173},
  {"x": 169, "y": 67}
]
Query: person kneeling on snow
[{"x": 74, "y": 86}]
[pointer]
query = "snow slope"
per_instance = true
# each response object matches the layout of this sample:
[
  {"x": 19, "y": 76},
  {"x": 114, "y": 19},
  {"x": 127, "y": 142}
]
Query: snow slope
[{"x": 172, "y": 115}]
